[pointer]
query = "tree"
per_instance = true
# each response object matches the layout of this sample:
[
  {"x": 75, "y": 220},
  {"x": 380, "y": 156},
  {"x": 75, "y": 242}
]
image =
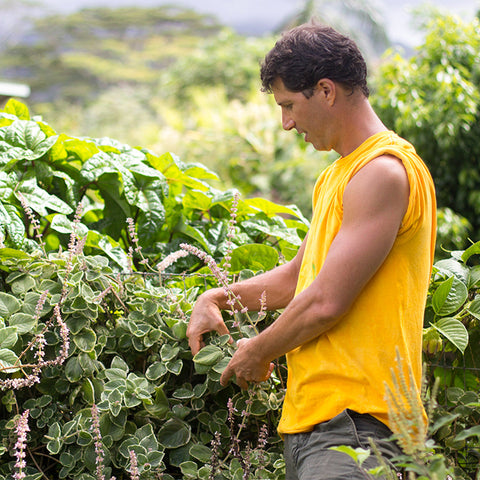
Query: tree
[
  {"x": 433, "y": 99},
  {"x": 101, "y": 47},
  {"x": 359, "y": 19}
]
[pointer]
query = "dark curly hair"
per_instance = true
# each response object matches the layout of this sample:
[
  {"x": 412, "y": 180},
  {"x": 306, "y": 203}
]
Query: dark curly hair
[{"x": 310, "y": 52}]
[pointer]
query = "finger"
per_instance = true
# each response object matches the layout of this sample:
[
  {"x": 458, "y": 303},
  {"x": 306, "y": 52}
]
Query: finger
[
  {"x": 270, "y": 370},
  {"x": 223, "y": 330},
  {"x": 242, "y": 383},
  {"x": 242, "y": 341},
  {"x": 226, "y": 376},
  {"x": 196, "y": 344}
]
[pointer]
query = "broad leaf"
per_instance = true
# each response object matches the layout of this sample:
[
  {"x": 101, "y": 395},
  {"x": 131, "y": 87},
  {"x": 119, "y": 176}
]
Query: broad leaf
[
  {"x": 174, "y": 433},
  {"x": 10, "y": 220},
  {"x": 469, "y": 432},
  {"x": 23, "y": 322},
  {"x": 7, "y": 360},
  {"x": 208, "y": 355},
  {"x": 271, "y": 209},
  {"x": 253, "y": 257},
  {"x": 23, "y": 140},
  {"x": 450, "y": 266},
  {"x": 19, "y": 109},
  {"x": 8, "y": 304},
  {"x": 62, "y": 224},
  {"x": 256, "y": 226},
  {"x": 472, "y": 250},
  {"x": 85, "y": 340},
  {"x": 40, "y": 200},
  {"x": 8, "y": 337},
  {"x": 474, "y": 308},
  {"x": 450, "y": 295},
  {"x": 454, "y": 331}
]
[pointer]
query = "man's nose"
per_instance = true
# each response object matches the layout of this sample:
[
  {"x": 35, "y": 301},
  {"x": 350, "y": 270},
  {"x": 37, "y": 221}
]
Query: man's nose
[{"x": 287, "y": 122}]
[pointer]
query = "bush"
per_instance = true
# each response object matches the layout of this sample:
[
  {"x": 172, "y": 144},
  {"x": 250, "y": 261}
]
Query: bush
[
  {"x": 90, "y": 228},
  {"x": 433, "y": 100},
  {"x": 104, "y": 249}
]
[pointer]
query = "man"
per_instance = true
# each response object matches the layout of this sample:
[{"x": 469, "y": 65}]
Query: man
[{"x": 355, "y": 292}]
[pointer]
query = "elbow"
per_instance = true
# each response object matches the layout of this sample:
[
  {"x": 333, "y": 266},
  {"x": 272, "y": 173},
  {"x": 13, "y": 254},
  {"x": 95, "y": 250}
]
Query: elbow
[{"x": 328, "y": 313}]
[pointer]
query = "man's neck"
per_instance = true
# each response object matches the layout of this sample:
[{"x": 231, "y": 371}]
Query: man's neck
[{"x": 358, "y": 123}]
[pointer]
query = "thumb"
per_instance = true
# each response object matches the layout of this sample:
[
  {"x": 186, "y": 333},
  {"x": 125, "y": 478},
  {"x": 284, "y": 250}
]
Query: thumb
[
  {"x": 270, "y": 370},
  {"x": 242, "y": 341}
]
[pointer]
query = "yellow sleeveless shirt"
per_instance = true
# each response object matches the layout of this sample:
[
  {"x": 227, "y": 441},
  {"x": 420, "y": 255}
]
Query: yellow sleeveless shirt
[{"x": 349, "y": 365}]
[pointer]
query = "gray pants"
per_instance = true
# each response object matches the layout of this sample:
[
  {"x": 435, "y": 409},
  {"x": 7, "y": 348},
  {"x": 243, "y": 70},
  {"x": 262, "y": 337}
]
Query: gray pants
[{"x": 307, "y": 455}]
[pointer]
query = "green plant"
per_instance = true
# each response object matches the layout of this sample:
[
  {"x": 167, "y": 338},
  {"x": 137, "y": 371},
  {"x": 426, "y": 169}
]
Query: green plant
[
  {"x": 109, "y": 277},
  {"x": 433, "y": 100},
  {"x": 452, "y": 347},
  {"x": 116, "y": 243}
]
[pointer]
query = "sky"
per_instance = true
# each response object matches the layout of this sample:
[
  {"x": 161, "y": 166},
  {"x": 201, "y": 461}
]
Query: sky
[{"x": 260, "y": 16}]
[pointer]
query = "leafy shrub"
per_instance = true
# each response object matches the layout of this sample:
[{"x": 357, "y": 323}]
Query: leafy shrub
[
  {"x": 452, "y": 349},
  {"x": 433, "y": 100},
  {"x": 91, "y": 231},
  {"x": 87, "y": 229}
]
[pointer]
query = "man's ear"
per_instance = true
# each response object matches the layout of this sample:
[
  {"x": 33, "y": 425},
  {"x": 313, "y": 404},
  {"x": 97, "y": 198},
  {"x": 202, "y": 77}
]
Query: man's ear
[{"x": 328, "y": 89}]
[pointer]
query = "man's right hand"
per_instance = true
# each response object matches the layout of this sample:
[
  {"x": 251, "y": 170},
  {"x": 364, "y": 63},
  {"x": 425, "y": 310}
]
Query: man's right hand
[{"x": 206, "y": 317}]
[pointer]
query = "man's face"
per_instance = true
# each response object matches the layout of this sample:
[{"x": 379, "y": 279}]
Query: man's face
[{"x": 306, "y": 115}]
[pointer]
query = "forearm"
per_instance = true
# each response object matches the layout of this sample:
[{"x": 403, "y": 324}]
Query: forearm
[
  {"x": 305, "y": 318},
  {"x": 277, "y": 285}
]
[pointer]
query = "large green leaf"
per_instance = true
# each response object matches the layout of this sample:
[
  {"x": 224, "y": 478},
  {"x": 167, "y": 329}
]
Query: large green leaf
[
  {"x": 472, "y": 250},
  {"x": 450, "y": 295},
  {"x": 160, "y": 406},
  {"x": 198, "y": 170},
  {"x": 40, "y": 200},
  {"x": 8, "y": 337},
  {"x": 149, "y": 199},
  {"x": 97, "y": 165},
  {"x": 12, "y": 253},
  {"x": 271, "y": 209},
  {"x": 83, "y": 149},
  {"x": 23, "y": 140},
  {"x": 62, "y": 224},
  {"x": 10, "y": 220},
  {"x": 208, "y": 355},
  {"x": 8, "y": 359},
  {"x": 23, "y": 322},
  {"x": 73, "y": 370},
  {"x": 451, "y": 266},
  {"x": 253, "y": 257},
  {"x": 8, "y": 184},
  {"x": 8, "y": 304},
  {"x": 454, "y": 331},
  {"x": 196, "y": 200},
  {"x": 174, "y": 433},
  {"x": 474, "y": 308},
  {"x": 469, "y": 432},
  {"x": 85, "y": 340},
  {"x": 274, "y": 229},
  {"x": 201, "y": 452},
  {"x": 19, "y": 109},
  {"x": 174, "y": 171}
]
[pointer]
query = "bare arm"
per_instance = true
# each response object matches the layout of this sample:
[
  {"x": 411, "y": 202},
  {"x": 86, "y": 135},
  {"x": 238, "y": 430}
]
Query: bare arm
[
  {"x": 375, "y": 202},
  {"x": 278, "y": 284}
]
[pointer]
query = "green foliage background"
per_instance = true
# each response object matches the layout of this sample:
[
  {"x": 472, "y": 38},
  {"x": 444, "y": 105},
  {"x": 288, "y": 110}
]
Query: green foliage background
[
  {"x": 196, "y": 94},
  {"x": 128, "y": 349},
  {"x": 433, "y": 99}
]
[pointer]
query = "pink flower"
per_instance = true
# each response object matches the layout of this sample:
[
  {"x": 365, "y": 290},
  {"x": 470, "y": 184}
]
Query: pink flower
[
  {"x": 21, "y": 429},
  {"x": 170, "y": 259}
]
